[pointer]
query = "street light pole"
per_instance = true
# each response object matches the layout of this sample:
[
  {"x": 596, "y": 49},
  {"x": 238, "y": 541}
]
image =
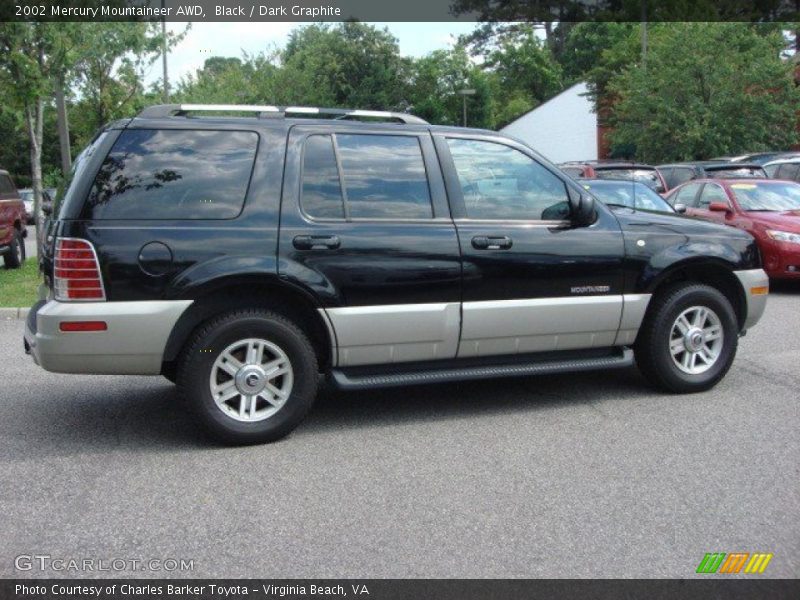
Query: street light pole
[
  {"x": 164, "y": 54},
  {"x": 464, "y": 93}
]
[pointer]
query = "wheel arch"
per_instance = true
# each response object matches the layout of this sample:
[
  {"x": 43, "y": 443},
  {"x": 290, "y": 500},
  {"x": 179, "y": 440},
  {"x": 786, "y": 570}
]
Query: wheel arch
[
  {"x": 224, "y": 294},
  {"x": 709, "y": 271}
]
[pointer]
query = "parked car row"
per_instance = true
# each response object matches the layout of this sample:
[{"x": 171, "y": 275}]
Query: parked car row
[
  {"x": 665, "y": 177},
  {"x": 646, "y": 174},
  {"x": 758, "y": 193}
]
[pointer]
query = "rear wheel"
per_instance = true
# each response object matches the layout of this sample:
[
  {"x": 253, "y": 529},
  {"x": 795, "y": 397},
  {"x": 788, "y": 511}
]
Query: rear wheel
[
  {"x": 250, "y": 376},
  {"x": 15, "y": 256},
  {"x": 688, "y": 340}
]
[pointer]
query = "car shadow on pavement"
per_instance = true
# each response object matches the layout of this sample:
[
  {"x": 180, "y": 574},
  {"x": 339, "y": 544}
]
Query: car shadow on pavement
[
  {"x": 784, "y": 287},
  {"x": 149, "y": 416},
  {"x": 468, "y": 400}
]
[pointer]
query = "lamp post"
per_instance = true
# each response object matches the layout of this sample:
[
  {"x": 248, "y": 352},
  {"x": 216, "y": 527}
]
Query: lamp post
[
  {"x": 165, "y": 93},
  {"x": 464, "y": 93}
]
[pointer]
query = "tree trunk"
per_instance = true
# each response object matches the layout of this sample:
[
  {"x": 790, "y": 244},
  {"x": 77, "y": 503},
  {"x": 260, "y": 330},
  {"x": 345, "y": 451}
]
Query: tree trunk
[
  {"x": 34, "y": 120},
  {"x": 63, "y": 126}
]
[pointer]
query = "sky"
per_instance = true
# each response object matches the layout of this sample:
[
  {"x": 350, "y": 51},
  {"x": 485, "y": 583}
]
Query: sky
[{"x": 229, "y": 39}]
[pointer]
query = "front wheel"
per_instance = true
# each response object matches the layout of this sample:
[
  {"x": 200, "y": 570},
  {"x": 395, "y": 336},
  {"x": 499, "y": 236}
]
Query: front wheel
[
  {"x": 250, "y": 376},
  {"x": 688, "y": 339}
]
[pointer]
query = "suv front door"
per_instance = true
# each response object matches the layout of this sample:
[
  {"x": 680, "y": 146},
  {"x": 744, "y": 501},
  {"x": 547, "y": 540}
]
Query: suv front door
[
  {"x": 365, "y": 227},
  {"x": 532, "y": 281}
]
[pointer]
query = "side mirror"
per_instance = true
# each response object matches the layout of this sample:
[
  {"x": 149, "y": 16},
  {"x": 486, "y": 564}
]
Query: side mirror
[
  {"x": 680, "y": 208},
  {"x": 719, "y": 207},
  {"x": 582, "y": 209},
  {"x": 47, "y": 208}
]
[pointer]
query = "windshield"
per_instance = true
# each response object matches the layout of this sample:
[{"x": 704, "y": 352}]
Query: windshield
[
  {"x": 645, "y": 176},
  {"x": 633, "y": 195},
  {"x": 767, "y": 195},
  {"x": 26, "y": 195}
]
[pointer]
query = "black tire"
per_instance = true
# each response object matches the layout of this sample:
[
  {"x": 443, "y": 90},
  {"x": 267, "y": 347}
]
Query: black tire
[
  {"x": 15, "y": 257},
  {"x": 652, "y": 348},
  {"x": 170, "y": 372},
  {"x": 197, "y": 361}
]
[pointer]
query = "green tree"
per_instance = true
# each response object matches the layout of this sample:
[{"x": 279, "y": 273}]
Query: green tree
[
  {"x": 582, "y": 57},
  {"x": 709, "y": 89},
  {"x": 246, "y": 80},
  {"x": 111, "y": 64},
  {"x": 434, "y": 85},
  {"x": 25, "y": 71},
  {"x": 349, "y": 64},
  {"x": 524, "y": 73}
]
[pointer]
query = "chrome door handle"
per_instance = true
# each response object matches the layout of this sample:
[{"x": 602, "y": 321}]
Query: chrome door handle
[
  {"x": 309, "y": 242},
  {"x": 483, "y": 242}
]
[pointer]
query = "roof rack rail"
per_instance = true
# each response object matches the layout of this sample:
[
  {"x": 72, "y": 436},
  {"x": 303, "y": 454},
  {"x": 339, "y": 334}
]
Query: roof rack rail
[{"x": 180, "y": 110}]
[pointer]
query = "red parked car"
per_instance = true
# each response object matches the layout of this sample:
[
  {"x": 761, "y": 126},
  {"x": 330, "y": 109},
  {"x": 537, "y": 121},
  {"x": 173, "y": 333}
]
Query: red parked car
[
  {"x": 13, "y": 223},
  {"x": 768, "y": 209}
]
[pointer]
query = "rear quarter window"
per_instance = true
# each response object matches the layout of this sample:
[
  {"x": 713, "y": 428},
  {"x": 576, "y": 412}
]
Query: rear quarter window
[
  {"x": 174, "y": 174},
  {"x": 6, "y": 186},
  {"x": 680, "y": 175},
  {"x": 790, "y": 171}
]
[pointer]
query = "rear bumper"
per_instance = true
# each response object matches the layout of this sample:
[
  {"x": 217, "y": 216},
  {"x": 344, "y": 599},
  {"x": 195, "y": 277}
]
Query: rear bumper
[
  {"x": 755, "y": 284},
  {"x": 133, "y": 343}
]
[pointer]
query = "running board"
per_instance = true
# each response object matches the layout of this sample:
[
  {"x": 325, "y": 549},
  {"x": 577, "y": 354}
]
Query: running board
[{"x": 349, "y": 381}]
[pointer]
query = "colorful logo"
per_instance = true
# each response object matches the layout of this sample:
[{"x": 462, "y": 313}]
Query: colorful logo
[{"x": 719, "y": 562}]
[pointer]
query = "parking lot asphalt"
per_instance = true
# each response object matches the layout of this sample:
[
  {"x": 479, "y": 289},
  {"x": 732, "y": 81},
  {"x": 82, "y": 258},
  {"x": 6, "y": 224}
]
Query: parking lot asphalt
[{"x": 587, "y": 475}]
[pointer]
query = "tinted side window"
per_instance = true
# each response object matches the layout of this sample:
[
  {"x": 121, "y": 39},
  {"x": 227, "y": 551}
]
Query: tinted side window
[
  {"x": 174, "y": 174},
  {"x": 322, "y": 192},
  {"x": 687, "y": 194},
  {"x": 712, "y": 193},
  {"x": 6, "y": 187},
  {"x": 384, "y": 177},
  {"x": 790, "y": 171},
  {"x": 501, "y": 183},
  {"x": 667, "y": 175},
  {"x": 772, "y": 170},
  {"x": 681, "y": 175}
]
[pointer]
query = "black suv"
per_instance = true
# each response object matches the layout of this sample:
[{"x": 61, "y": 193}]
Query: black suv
[{"x": 243, "y": 256}]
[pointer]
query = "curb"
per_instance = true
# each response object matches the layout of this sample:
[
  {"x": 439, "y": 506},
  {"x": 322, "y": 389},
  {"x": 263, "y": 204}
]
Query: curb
[{"x": 13, "y": 313}]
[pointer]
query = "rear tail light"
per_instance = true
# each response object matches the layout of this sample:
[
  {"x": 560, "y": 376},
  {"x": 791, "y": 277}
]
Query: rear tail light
[{"x": 76, "y": 275}]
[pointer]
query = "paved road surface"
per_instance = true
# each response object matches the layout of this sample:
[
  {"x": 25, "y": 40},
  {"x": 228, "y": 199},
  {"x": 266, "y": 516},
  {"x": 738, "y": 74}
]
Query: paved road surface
[{"x": 580, "y": 475}]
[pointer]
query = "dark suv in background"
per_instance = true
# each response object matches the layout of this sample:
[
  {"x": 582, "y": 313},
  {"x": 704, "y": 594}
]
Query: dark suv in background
[
  {"x": 243, "y": 256},
  {"x": 677, "y": 173}
]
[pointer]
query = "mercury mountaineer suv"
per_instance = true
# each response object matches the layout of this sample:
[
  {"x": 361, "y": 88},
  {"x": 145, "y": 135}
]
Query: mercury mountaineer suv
[{"x": 243, "y": 251}]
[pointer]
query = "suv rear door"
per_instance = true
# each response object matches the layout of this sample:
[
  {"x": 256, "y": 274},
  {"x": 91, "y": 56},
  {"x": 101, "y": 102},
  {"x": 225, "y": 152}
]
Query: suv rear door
[
  {"x": 365, "y": 227},
  {"x": 532, "y": 281}
]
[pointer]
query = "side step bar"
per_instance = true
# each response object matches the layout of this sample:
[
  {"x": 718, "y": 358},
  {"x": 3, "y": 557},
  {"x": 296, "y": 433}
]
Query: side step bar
[{"x": 348, "y": 381}]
